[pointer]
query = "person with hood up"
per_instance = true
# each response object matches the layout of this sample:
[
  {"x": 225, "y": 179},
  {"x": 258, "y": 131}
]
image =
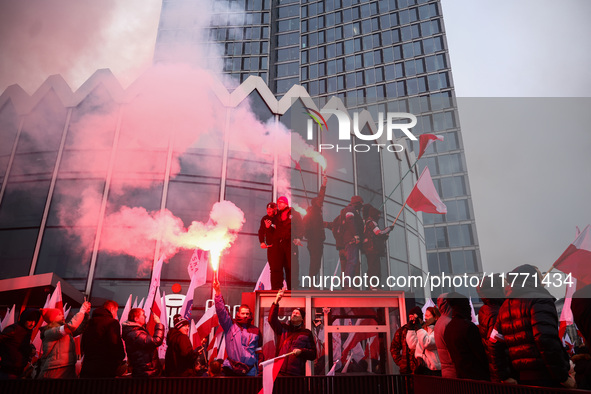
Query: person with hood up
[
  {"x": 101, "y": 343},
  {"x": 141, "y": 347},
  {"x": 402, "y": 354},
  {"x": 422, "y": 341},
  {"x": 448, "y": 370},
  {"x": 287, "y": 237},
  {"x": 527, "y": 326},
  {"x": 180, "y": 357},
  {"x": 59, "y": 350},
  {"x": 293, "y": 337},
  {"x": 16, "y": 350},
  {"x": 581, "y": 308},
  {"x": 463, "y": 342},
  {"x": 492, "y": 294},
  {"x": 243, "y": 340},
  {"x": 374, "y": 241}
]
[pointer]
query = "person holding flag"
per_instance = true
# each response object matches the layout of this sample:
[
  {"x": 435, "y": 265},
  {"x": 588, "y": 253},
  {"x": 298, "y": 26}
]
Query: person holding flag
[
  {"x": 243, "y": 340},
  {"x": 293, "y": 337},
  {"x": 141, "y": 347},
  {"x": 15, "y": 345},
  {"x": 59, "y": 350}
]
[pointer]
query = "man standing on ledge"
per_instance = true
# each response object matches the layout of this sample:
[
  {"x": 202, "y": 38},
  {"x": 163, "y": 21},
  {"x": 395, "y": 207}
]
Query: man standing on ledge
[
  {"x": 243, "y": 339},
  {"x": 289, "y": 229},
  {"x": 293, "y": 337},
  {"x": 352, "y": 236}
]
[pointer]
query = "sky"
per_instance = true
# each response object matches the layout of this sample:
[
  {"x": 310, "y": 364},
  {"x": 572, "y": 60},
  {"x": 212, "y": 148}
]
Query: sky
[{"x": 527, "y": 151}]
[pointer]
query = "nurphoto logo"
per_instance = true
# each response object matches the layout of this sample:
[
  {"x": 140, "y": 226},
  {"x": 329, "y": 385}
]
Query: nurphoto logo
[{"x": 344, "y": 123}]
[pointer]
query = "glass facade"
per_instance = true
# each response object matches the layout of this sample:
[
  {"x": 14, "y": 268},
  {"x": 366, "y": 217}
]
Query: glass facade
[{"x": 379, "y": 55}]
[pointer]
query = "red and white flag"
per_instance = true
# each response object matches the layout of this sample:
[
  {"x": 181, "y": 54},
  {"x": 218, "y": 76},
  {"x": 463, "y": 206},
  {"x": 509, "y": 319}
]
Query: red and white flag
[
  {"x": 134, "y": 303},
  {"x": 576, "y": 259},
  {"x": 269, "y": 347},
  {"x": 208, "y": 321},
  {"x": 56, "y": 300},
  {"x": 8, "y": 318},
  {"x": 193, "y": 336},
  {"x": 198, "y": 267},
  {"x": 271, "y": 369},
  {"x": 156, "y": 309},
  {"x": 472, "y": 313},
  {"x": 428, "y": 303},
  {"x": 126, "y": 309},
  {"x": 264, "y": 282},
  {"x": 566, "y": 316},
  {"x": 425, "y": 140},
  {"x": 424, "y": 197},
  {"x": 154, "y": 285},
  {"x": 187, "y": 306},
  {"x": 218, "y": 345}
]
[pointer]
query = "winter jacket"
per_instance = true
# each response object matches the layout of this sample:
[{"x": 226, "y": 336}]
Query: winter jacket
[
  {"x": 15, "y": 349},
  {"x": 313, "y": 221},
  {"x": 266, "y": 235},
  {"x": 492, "y": 297},
  {"x": 463, "y": 341},
  {"x": 289, "y": 225},
  {"x": 58, "y": 343},
  {"x": 291, "y": 338},
  {"x": 353, "y": 224},
  {"x": 242, "y": 342},
  {"x": 180, "y": 357},
  {"x": 423, "y": 343},
  {"x": 402, "y": 354},
  {"x": 528, "y": 326},
  {"x": 102, "y": 346},
  {"x": 142, "y": 348},
  {"x": 448, "y": 370}
]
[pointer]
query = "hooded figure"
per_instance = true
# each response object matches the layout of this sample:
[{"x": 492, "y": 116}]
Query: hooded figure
[
  {"x": 463, "y": 342},
  {"x": 448, "y": 370},
  {"x": 293, "y": 337},
  {"x": 374, "y": 240},
  {"x": 15, "y": 345},
  {"x": 102, "y": 345},
  {"x": 402, "y": 354},
  {"x": 527, "y": 326}
]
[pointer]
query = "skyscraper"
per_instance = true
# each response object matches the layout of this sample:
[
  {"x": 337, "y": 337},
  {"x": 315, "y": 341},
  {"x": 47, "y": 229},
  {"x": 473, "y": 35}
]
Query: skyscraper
[{"x": 382, "y": 55}]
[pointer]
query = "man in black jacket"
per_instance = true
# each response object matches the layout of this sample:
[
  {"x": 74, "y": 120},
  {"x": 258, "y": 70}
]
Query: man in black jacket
[
  {"x": 180, "y": 357},
  {"x": 527, "y": 326},
  {"x": 101, "y": 343},
  {"x": 15, "y": 345},
  {"x": 404, "y": 356},
  {"x": 141, "y": 347},
  {"x": 267, "y": 231},
  {"x": 492, "y": 295},
  {"x": 293, "y": 337},
  {"x": 287, "y": 238},
  {"x": 314, "y": 229}
]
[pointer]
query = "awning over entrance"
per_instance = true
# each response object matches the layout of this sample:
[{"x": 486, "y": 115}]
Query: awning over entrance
[{"x": 32, "y": 291}]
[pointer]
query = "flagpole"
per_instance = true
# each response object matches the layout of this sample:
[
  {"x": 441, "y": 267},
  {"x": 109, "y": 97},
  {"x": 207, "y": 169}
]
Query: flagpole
[
  {"x": 399, "y": 212},
  {"x": 396, "y": 187},
  {"x": 267, "y": 362}
]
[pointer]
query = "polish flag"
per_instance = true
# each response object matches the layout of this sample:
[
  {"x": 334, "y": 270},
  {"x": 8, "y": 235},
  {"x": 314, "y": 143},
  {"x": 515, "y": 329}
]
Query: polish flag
[
  {"x": 126, "y": 309},
  {"x": 193, "y": 335},
  {"x": 156, "y": 309},
  {"x": 269, "y": 346},
  {"x": 187, "y": 306},
  {"x": 566, "y": 316},
  {"x": 154, "y": 285},
  {"x": 428, "y": 303},
  {"x": 215, "y": 346},
  {"x": 576, "y": 259},
  {"x": 56, "y": 300},
  {"x": 271, "y": 369},
  {"x": 264, "y": 282},
  {"x": 198, "y": 267},
  {"x": 8, "y": 318},
  {"x": 425, "y": 140},
  {"x": 208, "y": 321},
  {"x": 424, "y": 197}
]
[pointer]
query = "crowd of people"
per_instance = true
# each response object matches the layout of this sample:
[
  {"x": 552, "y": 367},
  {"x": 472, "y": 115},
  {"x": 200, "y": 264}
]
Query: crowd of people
[
  {"x": 516, "y": 340},
  {"x": 355, "y": 230}
]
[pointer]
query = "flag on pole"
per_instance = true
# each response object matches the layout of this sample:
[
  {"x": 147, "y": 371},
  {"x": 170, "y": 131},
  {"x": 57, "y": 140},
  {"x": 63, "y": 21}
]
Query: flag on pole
[
  {"x": 8, "y": 318},
  {"x": 198, "y": 266},
  {"x": 56, "y": 300},
  {"x": 566, "y": 316},
  {"x": 141, "y": 304},
  {"x": 126, "y": 309},
  {"x": 269, "y": 347},
  {"x": 208, "y": 321},
  {"x": 193, "y": 336},
  {"x": 271, "y": 369},
  {"x": 156, "y": 309},
  {"x": 576, "y": 259},
  {"x": 472, "y": 313},
  {"x": 135, "y": 304},
  {"x": 333, "y": 369},
  {"x": 187, "y": 306},
  {"x": 216, "y": 344},
  {"x": 424, "y": 197},
  {"x": 154, "y": 285},
  {"x": 425, "y": 140}
]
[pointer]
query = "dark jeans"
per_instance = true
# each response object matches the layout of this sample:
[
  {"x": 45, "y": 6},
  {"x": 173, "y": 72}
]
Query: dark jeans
[
  {"x": 315, "y": 250},
  {"x": 285, "y": 259}
]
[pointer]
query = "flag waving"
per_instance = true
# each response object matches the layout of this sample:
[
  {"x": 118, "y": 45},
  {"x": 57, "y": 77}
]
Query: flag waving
[
  {"x": 271, "y": 369},
  {"x": 154, "y": 284},
  {"x": 576, "y": 259},
  {"x": 424, "y": 197},
  {"x": 566, "y": 316},
  {"x": 208, "y": 321},
  {"x": 425, "y": 140}
]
